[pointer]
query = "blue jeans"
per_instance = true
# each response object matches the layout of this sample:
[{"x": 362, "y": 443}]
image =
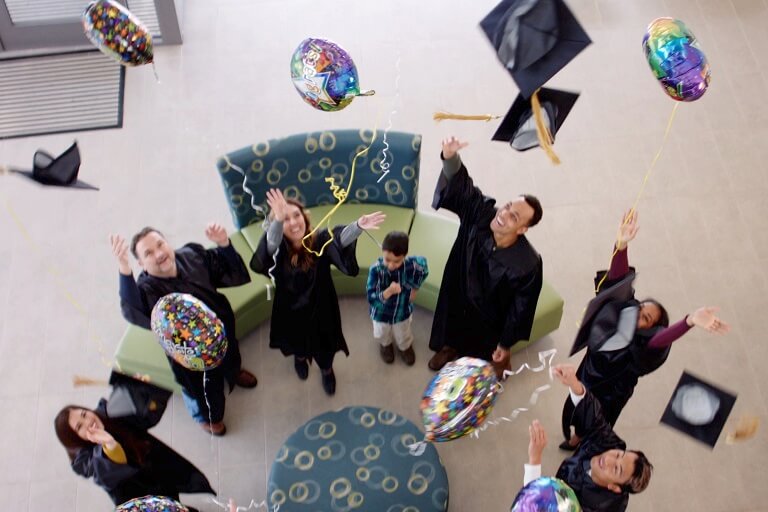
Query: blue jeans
[{"x": 193, "y": 407}]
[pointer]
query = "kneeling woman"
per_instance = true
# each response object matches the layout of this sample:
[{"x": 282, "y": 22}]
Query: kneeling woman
[
  {"x": 123, "y": 458},
  {"x": 626, "y": 338},
  {"x": 306, "y": 321}
]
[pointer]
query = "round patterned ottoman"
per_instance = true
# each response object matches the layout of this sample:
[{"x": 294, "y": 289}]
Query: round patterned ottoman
[{"x": 357, "y": 459}]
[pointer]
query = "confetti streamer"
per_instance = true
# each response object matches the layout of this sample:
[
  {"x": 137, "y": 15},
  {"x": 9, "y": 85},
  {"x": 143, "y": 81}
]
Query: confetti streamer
[{"x": 384, "y": 164}]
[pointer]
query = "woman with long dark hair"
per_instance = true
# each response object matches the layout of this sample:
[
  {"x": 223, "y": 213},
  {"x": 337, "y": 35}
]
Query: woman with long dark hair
[
  {"x": 626, "y": 338},
  {"x": 306, "y": 321},
  {"x": 123, "y": 458}
]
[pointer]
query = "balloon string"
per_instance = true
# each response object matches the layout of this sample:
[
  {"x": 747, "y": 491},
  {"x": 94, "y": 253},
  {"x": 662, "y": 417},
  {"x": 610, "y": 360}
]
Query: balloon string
[
  {"x": 545, "y": 358},
  {"x": 60, "y": 284},
  {"x": 253, "y": 505},
  {"x": 642, "y": 187},
  {"x": 154, "y": 70},
  {"x": 441, "y": 116},
  {"x": 384, "y": 164}
]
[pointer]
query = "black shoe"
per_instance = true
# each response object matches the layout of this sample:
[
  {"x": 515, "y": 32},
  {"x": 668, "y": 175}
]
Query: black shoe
[
  {"x": 408, "y": 356},
  {"x": 302, "y": 367},
  {"x": 387, "y": 353},
  {"x": 329, "y": 382}
]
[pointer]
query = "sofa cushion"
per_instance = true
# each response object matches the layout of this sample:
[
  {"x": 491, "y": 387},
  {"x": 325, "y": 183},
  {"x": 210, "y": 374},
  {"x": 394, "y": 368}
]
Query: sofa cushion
[{"x": 140, "y": 353}]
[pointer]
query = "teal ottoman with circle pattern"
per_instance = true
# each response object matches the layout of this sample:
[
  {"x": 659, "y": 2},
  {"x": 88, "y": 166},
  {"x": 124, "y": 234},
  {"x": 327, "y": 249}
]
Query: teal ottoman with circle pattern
[{"x": 357, "y": 459}]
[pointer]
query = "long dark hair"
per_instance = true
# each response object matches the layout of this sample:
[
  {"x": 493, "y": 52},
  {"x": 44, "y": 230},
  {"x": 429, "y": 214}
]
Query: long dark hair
[
  {"x": 134, "y": 447},
  {"x": 301, "y": 257}
]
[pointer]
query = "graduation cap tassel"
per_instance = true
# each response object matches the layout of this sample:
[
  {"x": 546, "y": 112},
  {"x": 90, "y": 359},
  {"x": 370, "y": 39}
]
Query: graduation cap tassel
[
  {"x": 79, "y": 380},
  {"x": 545, "y": 138},
  {"x": 441, "y": 116}
]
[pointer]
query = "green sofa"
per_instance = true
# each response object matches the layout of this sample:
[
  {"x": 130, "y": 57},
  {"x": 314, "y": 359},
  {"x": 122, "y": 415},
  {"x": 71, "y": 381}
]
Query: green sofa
[{"x": 300, "y": 165}]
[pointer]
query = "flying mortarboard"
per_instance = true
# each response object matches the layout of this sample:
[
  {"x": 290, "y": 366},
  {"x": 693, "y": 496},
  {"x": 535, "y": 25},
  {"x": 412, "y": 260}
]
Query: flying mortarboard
[
  {"x": 58, "y": 171},
  {"x": 698, "y": 409},
  {"x": 141, "y": 401},
  {"x": 520, "y": 125},
  {"x": 534, "y": 39}
]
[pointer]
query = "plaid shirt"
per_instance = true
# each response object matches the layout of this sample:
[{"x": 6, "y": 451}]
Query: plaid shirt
[{"x": 410, "y": 275}]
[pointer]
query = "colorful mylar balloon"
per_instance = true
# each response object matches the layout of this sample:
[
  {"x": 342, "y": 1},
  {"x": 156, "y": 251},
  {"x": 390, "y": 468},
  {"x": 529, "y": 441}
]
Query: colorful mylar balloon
[
  {"x": 546, "y": 494},
  {"x": 676, "y": 59},
  {"x": 325, "y": 75},
  {"x": 458, "y": 399},
  {"x": 151, "y": 504},
  {"x": 189, "y": 331},
  {"x": 117, "y": 33}
]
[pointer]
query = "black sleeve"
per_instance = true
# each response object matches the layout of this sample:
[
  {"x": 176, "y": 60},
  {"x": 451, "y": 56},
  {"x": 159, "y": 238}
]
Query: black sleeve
[
  {"x": 461, "y": 196},
  {"x": 590, "y": 423},
  {"x": 133, "y": 302},
  {"x": 91, "y": 462},
  {"x": 519, "y": 320},
  {"x": 262, "y": 261},
  {"x": 226, "y": 267},
  {"x": 344, "y": 258}
]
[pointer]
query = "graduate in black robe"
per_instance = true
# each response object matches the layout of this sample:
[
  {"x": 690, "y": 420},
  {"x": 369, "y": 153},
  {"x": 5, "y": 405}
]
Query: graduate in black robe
[
  {"x": 625, "y": 338},
  {"x": 198, "y": 271},
  {"x": 122, "y": 457},
  {"x": 602, "y": 472},
  {"x": 493, "y": 275},
  {"x": 306, "y": 321}
]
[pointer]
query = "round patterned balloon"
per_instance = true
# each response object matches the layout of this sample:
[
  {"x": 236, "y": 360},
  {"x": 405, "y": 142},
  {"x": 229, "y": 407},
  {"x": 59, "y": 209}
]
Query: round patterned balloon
[
  {"x": 325, "y": 75},
  {"x": 189, "y": 331},
  {"x": 676, "y": 60},
  {"x": 117, "y": 33},
  {"x": 458, "y": 399},
  {"x": 546, "y": 494},
  {"x": 151, "y": 504}
]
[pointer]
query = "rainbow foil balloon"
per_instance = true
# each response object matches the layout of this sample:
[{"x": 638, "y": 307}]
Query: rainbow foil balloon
[
  {"x": 325, "y": 75},
  {"x": 151, "y": 504},
  {"x": 676, "y": 60},
  {"x": 458, "y": 399},
  {"x": 189, "y": 331},
  {"x": 117, "y": 33},
  {"x": 546, "y": 494}
]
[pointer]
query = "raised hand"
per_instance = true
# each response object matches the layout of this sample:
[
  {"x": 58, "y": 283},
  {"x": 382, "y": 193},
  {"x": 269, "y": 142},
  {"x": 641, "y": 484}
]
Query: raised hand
[
  {"x": 277, "y": 204},
  {"x": 451, "y": 146},
  {"x": 217, "y": 234},
  {"x": 705, "y": 318},
  {"x": 537, "y": 441},
  {"x": 627, "y": 229},
  {"x": 566, "y": 373},
  {"x": 392, "y": 290},
  {"x": 372, "y": 220},
  {"x": 120, "y": 252},
  {"x": 100, "y": 436}
]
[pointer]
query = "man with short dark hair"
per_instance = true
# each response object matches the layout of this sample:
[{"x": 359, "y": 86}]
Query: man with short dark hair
[
  {"x": 198, "y": 271},
  {"x": 493, "y": 275},
  {"x": 602, "y": 472}
]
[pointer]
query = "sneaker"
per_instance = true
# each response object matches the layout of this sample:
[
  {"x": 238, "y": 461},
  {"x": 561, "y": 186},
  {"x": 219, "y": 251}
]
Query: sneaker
[
  {"x": 302, "y": 367},
  {"x": 216, "y": 429},
  {"x": 329, "y": 382},
  {"x": 387, "y": 353},
  {"x": 408, "y": 356},
  {"x": 441, "y": 358},
  {"x": 246, "y": 379}
]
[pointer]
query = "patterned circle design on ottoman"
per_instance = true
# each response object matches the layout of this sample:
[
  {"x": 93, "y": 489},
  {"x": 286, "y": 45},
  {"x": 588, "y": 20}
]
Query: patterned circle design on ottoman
[{"x": 357, "y": 459}]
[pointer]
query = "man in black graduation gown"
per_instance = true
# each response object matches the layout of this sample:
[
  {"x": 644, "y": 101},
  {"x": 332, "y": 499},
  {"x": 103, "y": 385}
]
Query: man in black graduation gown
[
  {"x": 199, "y": 272},
  {"x": 493, "y": 275},
  {"x": 602, "y": 472}
]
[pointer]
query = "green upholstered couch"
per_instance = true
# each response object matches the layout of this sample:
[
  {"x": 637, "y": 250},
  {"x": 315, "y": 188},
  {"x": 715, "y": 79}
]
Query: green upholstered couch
[{"x": 302, "y": 165}]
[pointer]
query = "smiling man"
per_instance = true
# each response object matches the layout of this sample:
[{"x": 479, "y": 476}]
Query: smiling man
[
  {"x": 493, "y": 275},
  {"x": 198, "y": 271},
  {"x": 602, "y": 472}
]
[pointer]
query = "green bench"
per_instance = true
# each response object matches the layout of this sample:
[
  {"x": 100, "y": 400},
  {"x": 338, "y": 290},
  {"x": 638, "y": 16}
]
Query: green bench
[{"x": 299, "y": 165}]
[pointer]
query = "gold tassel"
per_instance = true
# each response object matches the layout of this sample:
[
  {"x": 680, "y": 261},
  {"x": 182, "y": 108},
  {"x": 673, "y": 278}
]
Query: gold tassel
[
  {"x": 545, "y": 137},
  {"x": 79, "y": 380},
  {"x": 745, "y": 429},
  {"x": 4, "y": 170},
  {"x": 440, "y": 116}
]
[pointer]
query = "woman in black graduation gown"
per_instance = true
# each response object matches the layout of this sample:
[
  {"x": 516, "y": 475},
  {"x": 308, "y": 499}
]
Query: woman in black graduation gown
[
  {"x": 625, "y": 338},
  {"x": 306, "y": 321},
  {"x": 122, "y": 457}
]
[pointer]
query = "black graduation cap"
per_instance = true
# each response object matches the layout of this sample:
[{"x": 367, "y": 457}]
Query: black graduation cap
[
  {"x": 139, "y": 401},
  {"x": 534, "y": 39},
  {"x": 620, "y": 290},
  {"x": 698, "y": 409},
  {"x": 58, "y": 171},
  {"x": 519, "y": 125}
]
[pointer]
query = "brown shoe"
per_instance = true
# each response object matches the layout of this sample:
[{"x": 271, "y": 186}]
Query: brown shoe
[
  {"x": 441, "y": 358},
  {"x": 408, "y": 356},
  {"x": 387, "y": 353},
  {"x": 216, "y": 429},
  {"x": 246, "y": 379}
]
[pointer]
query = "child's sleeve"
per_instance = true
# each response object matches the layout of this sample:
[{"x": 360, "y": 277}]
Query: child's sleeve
[
  {"x": 374, "y": 287},
  {"x": 419, "y": 272}
]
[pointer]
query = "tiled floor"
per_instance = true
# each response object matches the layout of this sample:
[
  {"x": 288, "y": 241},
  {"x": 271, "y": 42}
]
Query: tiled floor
[{"x": 704, "y": 237}]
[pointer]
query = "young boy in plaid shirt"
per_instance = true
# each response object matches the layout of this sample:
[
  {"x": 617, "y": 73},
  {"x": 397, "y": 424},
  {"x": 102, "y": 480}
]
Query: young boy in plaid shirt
[{"x": 392, "y": 285}]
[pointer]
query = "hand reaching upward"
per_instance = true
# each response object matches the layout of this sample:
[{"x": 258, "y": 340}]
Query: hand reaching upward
[{"x": 627, "y": 229}]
